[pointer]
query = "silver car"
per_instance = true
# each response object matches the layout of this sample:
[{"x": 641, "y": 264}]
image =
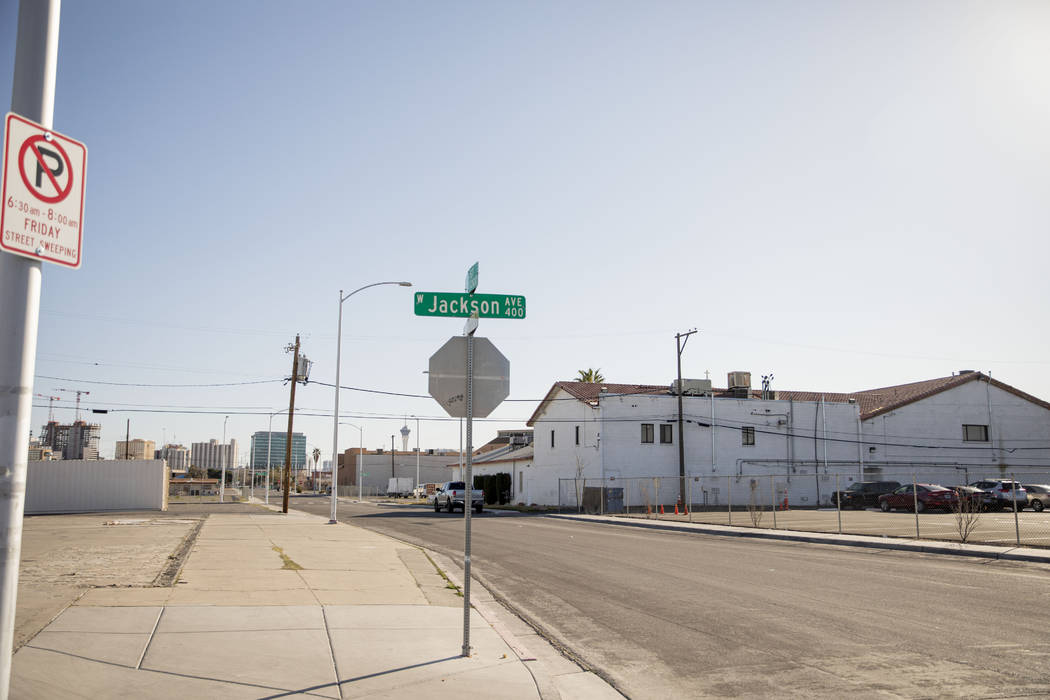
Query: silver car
[
  {"x": 1002, "y": 494},
  {"x": 1038, "y": 496}
]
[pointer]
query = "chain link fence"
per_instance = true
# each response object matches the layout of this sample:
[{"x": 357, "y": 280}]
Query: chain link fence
[{"x": 899, "y": 503}]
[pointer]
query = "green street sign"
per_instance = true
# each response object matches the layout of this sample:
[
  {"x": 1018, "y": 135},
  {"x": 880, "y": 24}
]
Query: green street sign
[
  {"x": 463, "y": 305},
  {"x": 471, "y": 284}
]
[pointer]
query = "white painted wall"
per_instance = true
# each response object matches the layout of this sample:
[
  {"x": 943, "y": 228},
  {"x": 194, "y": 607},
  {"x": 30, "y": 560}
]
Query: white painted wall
[
  {"x": 1014, "y": 425},
  {"x": 803, "y": 468},
  {"x": 88, "y": 486}
]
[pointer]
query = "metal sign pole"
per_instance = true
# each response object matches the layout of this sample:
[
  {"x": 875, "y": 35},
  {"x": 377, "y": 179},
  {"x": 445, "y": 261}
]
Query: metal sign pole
[
  {"x": 32, "y": 96},
  {"x": 468, "y": 493}
]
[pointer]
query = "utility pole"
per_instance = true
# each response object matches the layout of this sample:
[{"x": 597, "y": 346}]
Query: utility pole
[
  {"x": 291, "y": 413},
  {"x": 680, "y": 344},
  {"x": 393, "y": 472},
  {"x": 127, "y": 441}
]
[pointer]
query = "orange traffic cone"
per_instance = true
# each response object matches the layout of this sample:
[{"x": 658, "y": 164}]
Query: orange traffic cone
[
  {"x": 676, "y": 509},
  {"x": 662, "y": 509},
  {"x": 686, "y": 509}
]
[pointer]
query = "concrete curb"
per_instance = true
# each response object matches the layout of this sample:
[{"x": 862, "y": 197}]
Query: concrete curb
[{"x": 1027, "y": 554}]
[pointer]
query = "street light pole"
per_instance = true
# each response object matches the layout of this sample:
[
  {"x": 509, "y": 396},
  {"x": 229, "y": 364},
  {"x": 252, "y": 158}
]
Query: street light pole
[
  {"x": 335, "y": 416},
  {"x": 222, "y": 460},
  {"x": 417, "y": 453}
]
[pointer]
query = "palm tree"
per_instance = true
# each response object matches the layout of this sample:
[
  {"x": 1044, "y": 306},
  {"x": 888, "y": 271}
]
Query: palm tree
[{"x": 591, "y": 376}]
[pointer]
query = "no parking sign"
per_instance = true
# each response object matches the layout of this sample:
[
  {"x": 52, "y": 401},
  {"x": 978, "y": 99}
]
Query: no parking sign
[{"x": 42, "y": 215}]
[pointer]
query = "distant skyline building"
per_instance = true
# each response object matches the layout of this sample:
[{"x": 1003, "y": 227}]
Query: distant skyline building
[
  {"x": 277, "y": 442},
  {"x": 177, "y": 457},
  {"x": 209, "y": 455},
  {"x": 77, "y": 440},
  {"x": 135, "y": 449}
]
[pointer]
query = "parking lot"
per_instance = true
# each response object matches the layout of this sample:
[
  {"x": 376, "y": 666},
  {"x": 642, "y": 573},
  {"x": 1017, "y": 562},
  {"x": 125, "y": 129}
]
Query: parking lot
[{"x": 996, "y": 527}]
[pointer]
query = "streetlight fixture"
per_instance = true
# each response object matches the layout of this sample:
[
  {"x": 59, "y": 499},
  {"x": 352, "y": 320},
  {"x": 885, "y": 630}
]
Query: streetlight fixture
[
  {"x": 335, "y": 415},
  {"x": 360, "y": 452}
]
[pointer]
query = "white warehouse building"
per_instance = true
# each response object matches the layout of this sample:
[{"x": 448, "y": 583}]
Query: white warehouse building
[{"x": 793, "y": 445}]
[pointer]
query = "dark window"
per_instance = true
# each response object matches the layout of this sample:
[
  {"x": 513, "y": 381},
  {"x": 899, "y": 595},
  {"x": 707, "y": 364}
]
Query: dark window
[
  {"x": 552, "y": 438},
  {"x": 747, "y": 436},
  {"x": 665, "y": 434},
  {"x": 577, "y": 435},
  {"x": 975, "y": 433},
  {"x": 647, "y": 432}
]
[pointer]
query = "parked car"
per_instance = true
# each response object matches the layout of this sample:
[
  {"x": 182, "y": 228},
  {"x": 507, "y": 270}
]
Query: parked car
[
  {"x": 1038, "y": 496},
  {"x": 924, "y": 497},
  {"x": 977, "y": 498},
  {"x": 1001, "y": 493},
  {"x": 453, "y": 494},
  {"x": 863, "y": 493}
]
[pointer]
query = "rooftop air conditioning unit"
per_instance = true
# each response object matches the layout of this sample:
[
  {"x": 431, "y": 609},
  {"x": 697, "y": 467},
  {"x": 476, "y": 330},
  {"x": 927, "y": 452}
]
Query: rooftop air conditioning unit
[
  {"x": 739, "y": 380},
  {"x": 692, "y": 387}
]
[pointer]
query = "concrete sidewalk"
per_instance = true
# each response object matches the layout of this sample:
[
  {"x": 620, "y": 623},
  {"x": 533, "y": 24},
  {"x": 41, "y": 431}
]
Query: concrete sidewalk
[{"x": 271, "y": 605}]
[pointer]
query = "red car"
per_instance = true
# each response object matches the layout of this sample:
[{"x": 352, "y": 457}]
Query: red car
[{"x": 925, "y": 497}]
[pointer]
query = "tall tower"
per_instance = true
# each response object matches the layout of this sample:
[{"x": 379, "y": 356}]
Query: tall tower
[{"x": 405, "y": 430}]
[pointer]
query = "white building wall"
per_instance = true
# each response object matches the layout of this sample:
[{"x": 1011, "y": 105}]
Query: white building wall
[
  {"x": 88, "y": 486},
  {"x": 803, "y": 445},
  {"x": 562, "y": 457},
  {"x": 1014, "y": 426}
]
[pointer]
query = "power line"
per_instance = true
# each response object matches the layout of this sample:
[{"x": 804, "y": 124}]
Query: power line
[{"x": 155, "y": 386}]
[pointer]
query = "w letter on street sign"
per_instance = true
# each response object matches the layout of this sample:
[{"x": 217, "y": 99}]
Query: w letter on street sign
[{"x": 42, "y": 210}]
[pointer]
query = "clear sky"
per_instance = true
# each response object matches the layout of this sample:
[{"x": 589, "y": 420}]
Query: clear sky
[{"x": 846, "y": 194}]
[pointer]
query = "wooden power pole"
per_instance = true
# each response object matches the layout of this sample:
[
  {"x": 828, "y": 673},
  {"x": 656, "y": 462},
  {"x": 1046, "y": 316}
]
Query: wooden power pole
[{"x": 291, "y": 413}]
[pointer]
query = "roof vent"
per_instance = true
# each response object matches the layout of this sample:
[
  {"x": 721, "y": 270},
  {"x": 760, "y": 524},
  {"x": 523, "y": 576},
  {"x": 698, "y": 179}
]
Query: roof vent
[{"x": 965, "y": 371}]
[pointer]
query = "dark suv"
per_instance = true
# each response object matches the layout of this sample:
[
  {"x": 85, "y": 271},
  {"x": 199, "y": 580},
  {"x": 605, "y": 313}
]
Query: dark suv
[{"x": 863, "y": 494}]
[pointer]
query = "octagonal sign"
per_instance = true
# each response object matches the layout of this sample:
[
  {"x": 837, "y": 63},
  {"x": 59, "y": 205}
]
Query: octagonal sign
[{"x": 448, "y": 377}]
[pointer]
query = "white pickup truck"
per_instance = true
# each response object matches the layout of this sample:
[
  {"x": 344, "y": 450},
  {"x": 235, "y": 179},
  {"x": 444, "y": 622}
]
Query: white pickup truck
[{"x": 452, "y": 494}]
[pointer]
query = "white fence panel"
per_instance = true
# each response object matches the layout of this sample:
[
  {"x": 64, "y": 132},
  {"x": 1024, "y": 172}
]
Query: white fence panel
[{"x": 88, "y": 486}]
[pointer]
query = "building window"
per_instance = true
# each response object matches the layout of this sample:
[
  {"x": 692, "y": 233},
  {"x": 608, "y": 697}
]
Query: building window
[
  {"x": 647, "y": 433},
  {"x": 552, "y": 438},
  {"x": 665, "y": 434},
  {"x": 577, "y": 435},
  {"x": 975, "y": 433},
  {"x": 747, "y": 436}
]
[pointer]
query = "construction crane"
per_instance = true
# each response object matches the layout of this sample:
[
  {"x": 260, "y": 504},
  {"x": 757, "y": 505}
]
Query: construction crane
[
  {"x": 50, "y": 406},
  {"x": 78, "y": 392}
]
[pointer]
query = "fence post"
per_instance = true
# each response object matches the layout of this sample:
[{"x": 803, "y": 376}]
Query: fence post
[
  {"x": 773, "y": 499},
  {"x": 838, "y": 501},
  {"x": 729, "y": 497},
  {"x": 915, "y": 504},
  {"x": 1017, "y": 526}
]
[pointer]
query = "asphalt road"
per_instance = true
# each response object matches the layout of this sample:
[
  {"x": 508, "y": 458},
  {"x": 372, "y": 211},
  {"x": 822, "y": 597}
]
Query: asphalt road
[{"x": 682, "y": 615}]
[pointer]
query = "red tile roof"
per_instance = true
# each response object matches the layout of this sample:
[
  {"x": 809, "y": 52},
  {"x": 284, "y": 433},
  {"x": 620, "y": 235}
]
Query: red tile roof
[
  {"x": 872, "y": 402},
  {"x": 588, "y": 392}
]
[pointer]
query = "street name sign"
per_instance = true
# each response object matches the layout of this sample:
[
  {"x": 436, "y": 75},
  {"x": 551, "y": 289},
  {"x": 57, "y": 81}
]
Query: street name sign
[
  {"x": 466, "y": 305},
  {"x": 42, "y": 212},
  {"x": 448, "y": 377},
  {"x": 471, "y": 284}
]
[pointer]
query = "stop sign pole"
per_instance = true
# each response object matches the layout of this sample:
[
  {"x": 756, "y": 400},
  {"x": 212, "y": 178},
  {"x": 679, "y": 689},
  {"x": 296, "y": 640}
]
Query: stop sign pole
[{"x": 448, "y": 374}]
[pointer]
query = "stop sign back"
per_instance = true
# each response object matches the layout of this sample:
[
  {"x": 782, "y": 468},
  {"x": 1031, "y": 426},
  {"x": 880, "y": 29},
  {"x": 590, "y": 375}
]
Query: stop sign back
[{"x": 448, "y": 377}]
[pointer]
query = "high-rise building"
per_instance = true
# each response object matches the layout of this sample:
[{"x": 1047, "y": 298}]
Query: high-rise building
[
  {"x": 210, "y": 455},
  {"x": 276, "y": 443},
  {"x": 135, "y": 449},
  {"x": 78, "y": 440},
  {"x": 177, "y": 457}
]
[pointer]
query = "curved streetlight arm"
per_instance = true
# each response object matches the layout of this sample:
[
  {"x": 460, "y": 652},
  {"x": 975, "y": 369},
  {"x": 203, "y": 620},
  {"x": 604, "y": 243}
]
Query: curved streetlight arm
[
  {"x": 367, "y": 286},
  {"x": 335, "y": 414}
]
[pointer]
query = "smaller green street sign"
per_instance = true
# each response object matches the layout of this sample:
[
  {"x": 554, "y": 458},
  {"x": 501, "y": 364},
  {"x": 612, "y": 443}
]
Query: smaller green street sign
[
  {"x": 471, "y": 284},
  {"x": 463, "y": 305}
]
